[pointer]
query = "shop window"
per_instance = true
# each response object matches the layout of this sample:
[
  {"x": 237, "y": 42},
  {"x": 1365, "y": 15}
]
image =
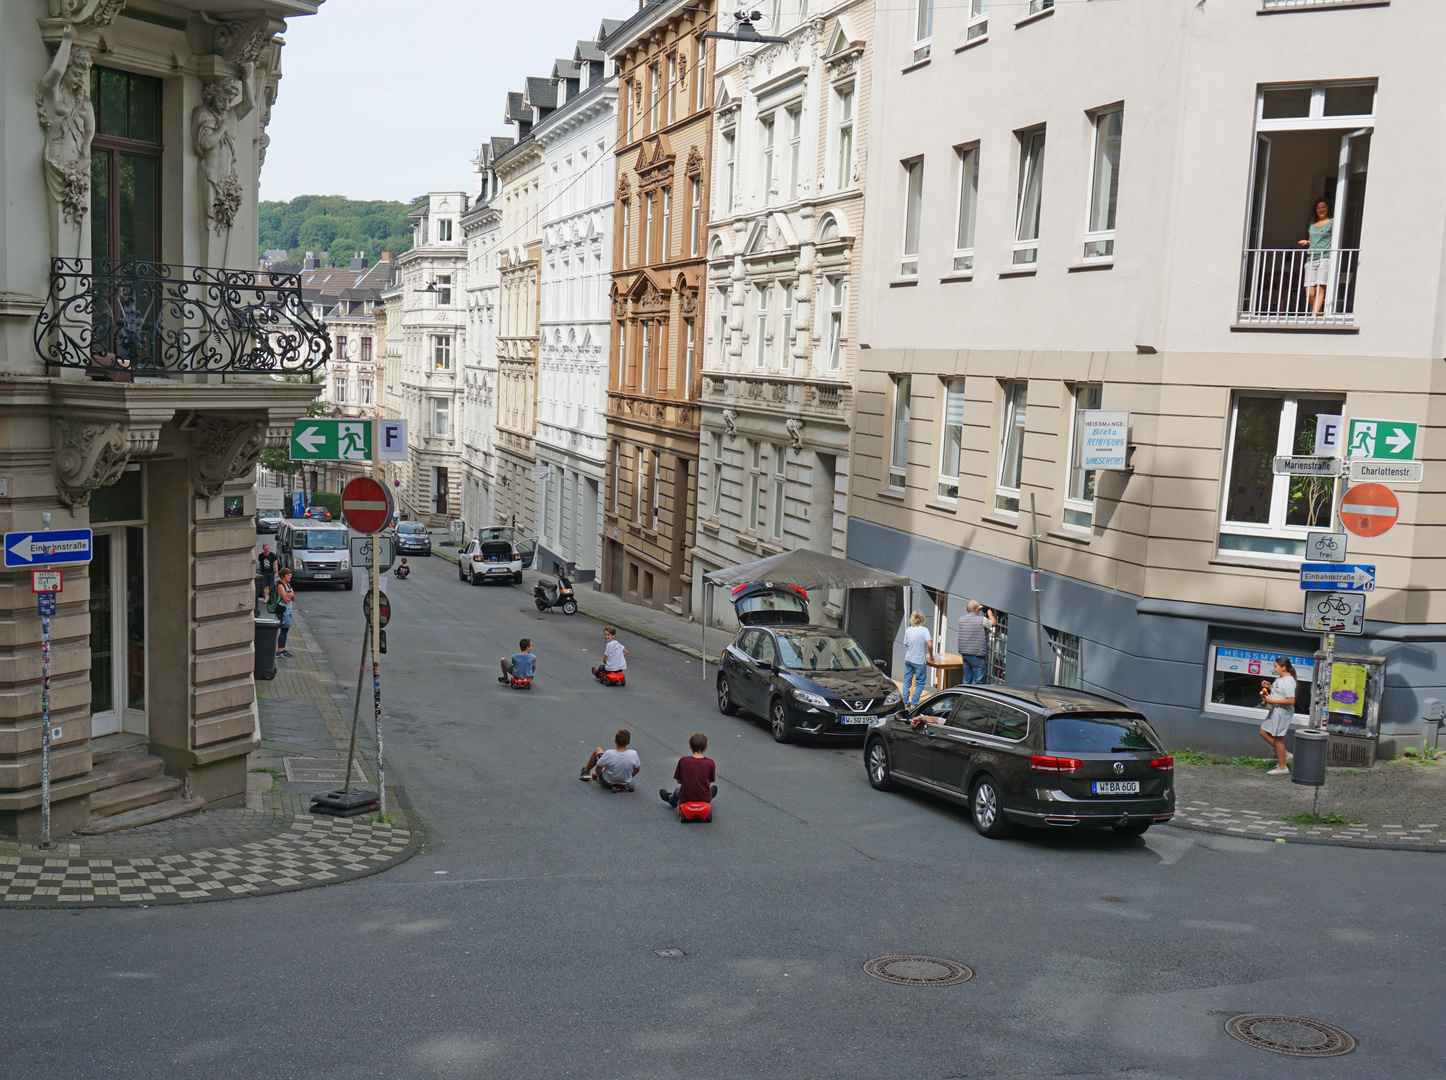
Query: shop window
[{"x": 1237, "y": 674}]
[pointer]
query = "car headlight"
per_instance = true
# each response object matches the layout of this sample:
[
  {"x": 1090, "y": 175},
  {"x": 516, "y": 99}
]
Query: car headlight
[
  {"x": 810, "y": 698},
  {"x": 345, "y": 562},
  {"x": 893, "y": 699},
  {"x": 298, "y": 562}
]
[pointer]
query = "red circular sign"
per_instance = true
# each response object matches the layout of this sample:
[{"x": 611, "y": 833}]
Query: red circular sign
[
  {"x": 364, "y": 505},
  {"x": 1369, "y": 509}
]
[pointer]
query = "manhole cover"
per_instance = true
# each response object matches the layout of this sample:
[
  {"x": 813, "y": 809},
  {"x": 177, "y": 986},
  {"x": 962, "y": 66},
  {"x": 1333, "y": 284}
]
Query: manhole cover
[
  {"x": 1296, "y": 1036},
  {"x": 918, "y": 970}
]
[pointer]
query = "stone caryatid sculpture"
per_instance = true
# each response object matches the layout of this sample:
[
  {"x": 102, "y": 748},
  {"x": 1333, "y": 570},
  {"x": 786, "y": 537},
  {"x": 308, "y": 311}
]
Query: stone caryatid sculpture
[
  {"x": 213, "y": 131},
  {"x": 67, "y": 115}
]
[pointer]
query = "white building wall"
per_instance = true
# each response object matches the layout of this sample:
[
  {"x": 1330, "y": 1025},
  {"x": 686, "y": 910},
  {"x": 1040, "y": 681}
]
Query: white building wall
[{"x": 479, "y": 365}]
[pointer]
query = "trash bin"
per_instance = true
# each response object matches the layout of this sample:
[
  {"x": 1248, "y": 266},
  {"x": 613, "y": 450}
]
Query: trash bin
[
  {"x": 1310, "y": 757},
  {"x": 268, "y": 630}
]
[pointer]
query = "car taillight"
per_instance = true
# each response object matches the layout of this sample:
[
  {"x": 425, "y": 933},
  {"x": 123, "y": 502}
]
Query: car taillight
[
  {"x": 476, "y": 558},
  {"x": 1164, "y": 764},
  {"x": 1055, "y": 764}
]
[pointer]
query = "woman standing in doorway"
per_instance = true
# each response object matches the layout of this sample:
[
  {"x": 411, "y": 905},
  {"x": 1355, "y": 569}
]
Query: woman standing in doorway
[
  {"x": 285, "y": 596},
  {"x": 1319, "y": 259},
  {"x": 1278, "y": 697},
  {"x": 918, "y": 651}
]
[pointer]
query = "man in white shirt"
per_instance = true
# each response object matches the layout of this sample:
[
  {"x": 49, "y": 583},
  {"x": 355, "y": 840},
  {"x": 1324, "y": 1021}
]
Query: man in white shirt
[
  {"x": 615, "y": 655},
  {"x": 614, "y": 768}
]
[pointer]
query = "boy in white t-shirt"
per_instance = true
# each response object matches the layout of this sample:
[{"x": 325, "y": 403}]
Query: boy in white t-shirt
[
  {"x": 614, "y": 768},
  {"x": 615, "y": 654}
]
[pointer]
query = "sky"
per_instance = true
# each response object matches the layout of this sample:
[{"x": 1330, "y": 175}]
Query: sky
[{"x": 389, "y": 99}]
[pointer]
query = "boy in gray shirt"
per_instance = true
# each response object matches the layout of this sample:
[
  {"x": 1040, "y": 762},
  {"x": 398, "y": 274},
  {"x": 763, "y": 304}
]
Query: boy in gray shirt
[{"x": 614, "y": 768}]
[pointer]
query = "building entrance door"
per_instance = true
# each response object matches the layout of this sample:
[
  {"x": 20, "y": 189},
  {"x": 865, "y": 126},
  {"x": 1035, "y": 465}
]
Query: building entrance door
[{"x": 118, "y": 632}]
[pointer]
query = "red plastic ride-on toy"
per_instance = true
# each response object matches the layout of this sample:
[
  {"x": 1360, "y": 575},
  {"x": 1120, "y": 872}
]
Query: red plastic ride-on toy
[
  {"x": 611, "y": 678},
  {"x": 695, "y": 811},
  {"x": 519, "y": 684}
]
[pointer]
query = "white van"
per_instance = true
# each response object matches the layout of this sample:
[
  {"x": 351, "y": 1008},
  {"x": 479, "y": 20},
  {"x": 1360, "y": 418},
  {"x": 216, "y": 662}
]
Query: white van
[{"x": 315, "y": 552}]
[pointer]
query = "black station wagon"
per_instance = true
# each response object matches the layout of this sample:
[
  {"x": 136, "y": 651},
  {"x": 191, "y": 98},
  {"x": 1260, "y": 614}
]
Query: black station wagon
[
  {"x": 806, "y": 680},
  {"x": 1037, "y": 756}
]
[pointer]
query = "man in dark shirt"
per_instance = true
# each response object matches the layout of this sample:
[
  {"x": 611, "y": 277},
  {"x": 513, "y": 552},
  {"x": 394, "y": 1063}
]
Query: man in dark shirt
[
  {"x": 695, "y": 775},
  {"x": 266, "y": 570}
]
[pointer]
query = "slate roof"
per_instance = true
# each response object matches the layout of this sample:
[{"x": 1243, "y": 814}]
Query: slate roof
[{"x": 541, "y": 93}]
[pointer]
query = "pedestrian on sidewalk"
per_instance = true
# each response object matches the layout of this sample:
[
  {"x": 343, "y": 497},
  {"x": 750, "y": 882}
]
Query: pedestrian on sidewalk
[
  {"x": 614, "y": 768},
  {"x": 615, "y": 654},
  {"x": 1278, "y": 697},
  {"x": 918, "y": 651},
  {"x": 522, "y": 663},
  {"x": 973, "y": 632},
  {"x": 285, "y": 597},
  {"x": 266, "y": 570},
  {"x": 695, "y": 775}
]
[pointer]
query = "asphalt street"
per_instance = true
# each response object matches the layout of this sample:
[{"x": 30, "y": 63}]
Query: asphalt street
[{"x": 523, "y": 941}]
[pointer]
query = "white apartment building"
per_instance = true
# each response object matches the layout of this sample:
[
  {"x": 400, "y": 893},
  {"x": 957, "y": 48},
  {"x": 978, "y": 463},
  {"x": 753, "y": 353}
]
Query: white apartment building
[
  {"x": 577, "y": 217},
  {"x": 432, "y": 329},
  {"x": 1151, "y": 263},
  {"x": 482, "y": 231},
  {"x": 790, "y": 131}
]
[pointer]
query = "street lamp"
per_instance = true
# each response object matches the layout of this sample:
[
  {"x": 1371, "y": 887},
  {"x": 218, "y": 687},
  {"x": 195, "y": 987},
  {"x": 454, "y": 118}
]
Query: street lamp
[{"x": 745, "y": 32}]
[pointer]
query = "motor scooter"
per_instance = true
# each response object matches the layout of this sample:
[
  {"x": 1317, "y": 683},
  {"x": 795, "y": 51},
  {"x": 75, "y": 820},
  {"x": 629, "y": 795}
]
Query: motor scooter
[{"x": 554, "y": 594}]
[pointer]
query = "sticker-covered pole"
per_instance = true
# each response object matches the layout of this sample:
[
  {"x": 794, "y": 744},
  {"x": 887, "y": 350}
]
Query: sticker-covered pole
[
  {"x": 45, "y": 720},
  {"x": 376, "y": 629}
]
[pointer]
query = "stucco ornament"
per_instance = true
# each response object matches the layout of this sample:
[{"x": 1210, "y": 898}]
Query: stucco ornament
[
  {"x": 88, "y": 456},
  {"x": 95, "y": 14},
  {"x": 68, "y": 116},
  {"x": 795, "y": 431},
  {"x": 223, "y": 451},
  {"x": 213, "y": 131},
  {"x": 730, "y": 423}
]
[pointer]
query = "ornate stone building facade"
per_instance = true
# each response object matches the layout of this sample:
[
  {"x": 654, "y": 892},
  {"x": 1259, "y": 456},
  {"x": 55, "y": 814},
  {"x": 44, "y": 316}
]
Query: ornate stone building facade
[
  {"x": 482, "y": 231},
  {"x": 790, "y": 132},
  {"x": 664, "y": 132},
  {"x": 577, "y": 232},
  {"x": 141, "y": 431}
]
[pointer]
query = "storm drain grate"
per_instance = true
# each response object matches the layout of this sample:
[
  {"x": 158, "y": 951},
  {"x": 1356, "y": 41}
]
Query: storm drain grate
[
  {"x": 1295, "y": 1036},
  {"x": 316, "y": 770},
  {"x": 917, "y": 970}
]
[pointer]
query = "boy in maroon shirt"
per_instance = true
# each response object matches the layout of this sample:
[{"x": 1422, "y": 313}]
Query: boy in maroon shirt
[{"x": 695, "y": 776}]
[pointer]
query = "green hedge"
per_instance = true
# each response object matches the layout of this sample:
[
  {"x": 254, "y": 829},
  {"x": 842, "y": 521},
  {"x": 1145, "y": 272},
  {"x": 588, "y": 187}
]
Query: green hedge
[{"x": 329, "y": 499}]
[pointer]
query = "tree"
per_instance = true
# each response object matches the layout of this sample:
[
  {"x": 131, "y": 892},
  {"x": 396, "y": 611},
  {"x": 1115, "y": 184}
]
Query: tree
[{"x": 334, "y": 224}]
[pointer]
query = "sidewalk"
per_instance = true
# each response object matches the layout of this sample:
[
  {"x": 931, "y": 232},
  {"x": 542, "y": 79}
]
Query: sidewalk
[{"x": 273, "y": 844}]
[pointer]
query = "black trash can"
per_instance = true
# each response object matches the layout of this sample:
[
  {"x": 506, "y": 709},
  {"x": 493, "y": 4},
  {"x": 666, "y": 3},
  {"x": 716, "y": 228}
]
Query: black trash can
[
  {"x": 268, "y": 630},
  {"x": 1309, "y": 766}
]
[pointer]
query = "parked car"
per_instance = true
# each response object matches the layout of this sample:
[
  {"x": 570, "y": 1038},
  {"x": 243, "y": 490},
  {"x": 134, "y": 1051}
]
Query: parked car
[
  {"x": 317, "y": 513},
  {"x": 268, "y": 521},
  {"x": 413, "y": 539},
  {"x": 315, "y": 553},
  {"x": 1036, "y": 756},
  {"x": 804, "y": 679},
  {"x": 496, "y": 555}
]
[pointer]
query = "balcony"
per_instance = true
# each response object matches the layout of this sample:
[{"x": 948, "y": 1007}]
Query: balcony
[
  {"x": 1296, "y": 5},
  {"x": 119, "y": 319},
  {"x": 1298, "y": 288},
  {"x": 819, "y": 399}
]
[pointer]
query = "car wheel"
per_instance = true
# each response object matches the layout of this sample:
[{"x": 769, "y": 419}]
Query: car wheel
[
  {"x": 460, "y": 576},
  {"x": 779, "y": 722},
  {"x": 346, "y": 587},
  {"x": 726, "y": 705},
  {"x": 876, "y": 761},
  {"x": 569, "y": 608},
  {"x": 1134, "y": 828},
  {"x": 986, "y": 807},
  {"x": 517, "y": 578},
  {"x": 472, "y": 578}
]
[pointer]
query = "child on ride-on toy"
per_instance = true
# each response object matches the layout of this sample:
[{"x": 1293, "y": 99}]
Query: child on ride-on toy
[
  {"x": 614, "y": 768},
  {"x": 695, "y": 775},
  {"x": 521, "y": 666},
  {"x": 614, "y": 667}
]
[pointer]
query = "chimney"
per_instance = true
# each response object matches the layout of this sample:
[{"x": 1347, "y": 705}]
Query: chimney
[
  {"x": 359, "y": 260},
  {"x": 310, "y": 263},
  {"x": 386, "y": 256}
]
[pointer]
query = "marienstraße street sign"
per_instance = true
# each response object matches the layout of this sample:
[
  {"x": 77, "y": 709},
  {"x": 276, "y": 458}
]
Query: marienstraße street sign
[
  {"x": 361, "y": 551},
  {"x": 1369, "y": 471},
  {"x": 331, "y": 440},
  {"x": 1344, "y": 613},
  {"x": 1307, "y": 466},
  {"x": 38, "y": 547},
  {"x": 1342, "y": 577},
  {"x": 1394, "y": 440}
]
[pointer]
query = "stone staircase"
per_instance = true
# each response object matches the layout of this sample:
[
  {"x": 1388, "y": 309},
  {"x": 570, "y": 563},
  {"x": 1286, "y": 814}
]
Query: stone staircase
[{"x": 134, "y": 789}]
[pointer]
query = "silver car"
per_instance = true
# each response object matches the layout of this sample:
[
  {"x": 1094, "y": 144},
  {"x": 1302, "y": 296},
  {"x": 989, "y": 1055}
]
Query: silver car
[{"x": 315, "y": 552}]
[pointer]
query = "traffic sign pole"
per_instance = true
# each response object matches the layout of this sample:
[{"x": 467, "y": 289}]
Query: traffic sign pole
[
  {"x": 376, "y": 629},
  {"x": 45, "y": 716}
]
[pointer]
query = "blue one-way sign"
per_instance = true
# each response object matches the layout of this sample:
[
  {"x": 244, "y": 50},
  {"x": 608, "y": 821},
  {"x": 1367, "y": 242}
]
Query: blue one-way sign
[
  {"x": 52, "y": 548},
  {"x": 1342, "y": 577}
]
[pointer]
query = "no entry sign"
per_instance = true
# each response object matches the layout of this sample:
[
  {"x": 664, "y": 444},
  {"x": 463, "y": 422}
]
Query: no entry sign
[
  {"x": 365, "y": 505},
  {"x": 1369, "y": 509}
]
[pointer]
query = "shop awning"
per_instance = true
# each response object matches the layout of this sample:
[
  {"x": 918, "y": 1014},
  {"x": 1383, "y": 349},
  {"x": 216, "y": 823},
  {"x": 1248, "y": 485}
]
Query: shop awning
[{"x": 807, "y": 570}]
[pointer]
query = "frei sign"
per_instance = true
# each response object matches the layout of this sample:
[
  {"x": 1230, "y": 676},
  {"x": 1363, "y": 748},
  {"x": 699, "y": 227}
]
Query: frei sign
[
  {"x": 361, "y": 550},
  {"x": 1104, "y": 439}
]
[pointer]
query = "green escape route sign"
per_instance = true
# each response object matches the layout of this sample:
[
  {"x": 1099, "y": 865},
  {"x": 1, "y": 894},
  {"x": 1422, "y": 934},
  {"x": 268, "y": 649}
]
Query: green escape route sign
[{"x": 331, "y": 440}]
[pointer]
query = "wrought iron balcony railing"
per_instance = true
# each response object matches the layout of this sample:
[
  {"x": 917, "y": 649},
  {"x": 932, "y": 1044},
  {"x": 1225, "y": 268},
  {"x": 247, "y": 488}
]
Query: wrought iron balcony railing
[
  {"x": 122, "y": 318},
  {"x": 1298, "y": 287}
]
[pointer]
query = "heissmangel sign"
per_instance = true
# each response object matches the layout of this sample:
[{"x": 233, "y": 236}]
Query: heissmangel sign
[{"x": 1104, "y": 439}]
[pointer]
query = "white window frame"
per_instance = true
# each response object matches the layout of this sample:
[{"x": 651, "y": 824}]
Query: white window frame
[
  {"x": 951, "y": 428},
  {"x": 715, "y": 493},
  {"x": 721, "y": 329},
  {"x": 785, "y": 324},
  {"x": 655, "y": 78},
  {"x": 1012, "y": 418},
  {"x": 1276, "y": 529},
  {"x": 1099, "y": 241},
  {"x": 647, "y": 349},
  {"x": 441, "y": 352},
  {"x": 1030, "y": 195},
  {"x": 1316, "y": 116},
  {"x": 767, "y": 133},
  {"x": 341, "y": 389},
  {"x": 1036, "y": 6},
  {"x": 899, "y": 425},
  {"x": 913, "y": 216},
  {"x": 1078, "y": 512},
  {"x": 639, "y": 488},
  {"x": 671, "y": 111},
  {"x": 649, "y": 200},
  {"x": 923, "y": 30},
  {"x": 655, "y": 490},
  {"x": 364, "y": 391},
  {"x": 667, "y": 237},
  {"x": 966, "y": 213},
  {"x": 700, "y": 75},
  {"x": 1301, "y": 657},
  {"x": 843, "y": 97},
  {"x": 794, "y": 115},
  {"x": 730, "y": 170},
  {"x": 444, "y": 231},
  {"x": 838, "y": 287},
  {"x": 689, "y": 357},
  {"x": 442, "y": 417},
  {"x": 760, "y": 316},
  {"x": 977, "y": 27},
  {"x": 696, "y": 230},
  {"x": 755, "y": 474},
  {"x": 780, "y": 479},
  {"x": 443, "y": 282},
  {"x": 1065, "y": 648}
]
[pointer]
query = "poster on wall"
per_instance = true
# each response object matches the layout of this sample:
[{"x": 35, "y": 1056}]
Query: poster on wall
[
  {"x": 1104, "y": 439},
  {"x": 1240, "y": 673},
  {"x": 1348, "y": 689}
]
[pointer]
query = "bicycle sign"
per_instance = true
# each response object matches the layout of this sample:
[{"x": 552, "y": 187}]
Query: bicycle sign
[
  {"x": 1325, "y": 547},
  {"x": 1344, "y": 613}
]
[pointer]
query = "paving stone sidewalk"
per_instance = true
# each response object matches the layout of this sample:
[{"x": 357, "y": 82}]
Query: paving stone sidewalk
[{"x": 272, "y": 844}]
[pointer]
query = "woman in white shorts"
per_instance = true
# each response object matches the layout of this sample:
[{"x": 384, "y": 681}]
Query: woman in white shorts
[
  {"x": 1319, "y": 258},
  {"x": 1279, "y": 699}
]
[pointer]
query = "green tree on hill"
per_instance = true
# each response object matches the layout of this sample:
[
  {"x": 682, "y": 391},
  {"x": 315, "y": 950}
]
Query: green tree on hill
[{"x": 334, "y": 224}]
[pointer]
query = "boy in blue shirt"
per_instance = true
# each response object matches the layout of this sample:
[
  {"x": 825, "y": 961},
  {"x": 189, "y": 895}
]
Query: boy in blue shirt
[{"x": 522, "y": 663}]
